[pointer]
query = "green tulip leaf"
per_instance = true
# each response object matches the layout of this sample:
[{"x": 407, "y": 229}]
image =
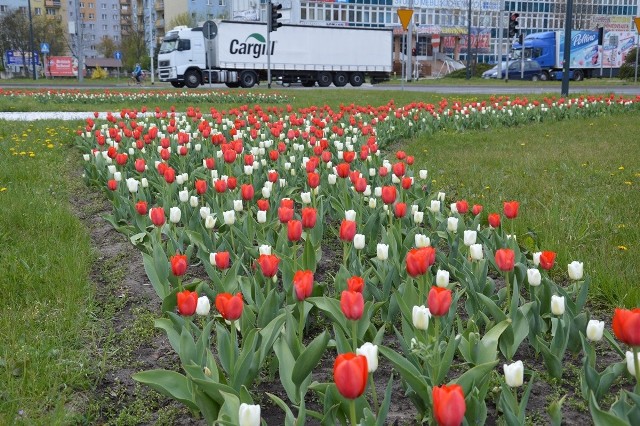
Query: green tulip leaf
[
  {"x": 309, "y": 358},
  {"x": 168, "y": 383}
]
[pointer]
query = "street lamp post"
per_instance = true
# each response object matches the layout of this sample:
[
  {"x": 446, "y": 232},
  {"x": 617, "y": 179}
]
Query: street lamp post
[
  {"x": 567, "y": 49},
  {"x": 469, "y": 41},
  {"x": 33, "y": 56}
]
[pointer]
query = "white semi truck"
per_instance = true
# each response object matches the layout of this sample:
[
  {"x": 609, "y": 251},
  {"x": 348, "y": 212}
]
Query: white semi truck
[{"x": 236, "y": 54}]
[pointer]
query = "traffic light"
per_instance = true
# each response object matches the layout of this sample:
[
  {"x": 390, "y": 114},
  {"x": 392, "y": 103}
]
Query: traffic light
[
  {"x": 274, "y": 16},
  {"x": 513, "y": 24}
]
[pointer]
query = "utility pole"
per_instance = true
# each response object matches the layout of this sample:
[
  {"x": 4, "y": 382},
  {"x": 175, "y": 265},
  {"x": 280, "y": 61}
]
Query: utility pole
[
  {"x": 567, "y": 49},
  {"x": 78, "y": 31},
  {"x": 150, "y": 21},
  {"x": 33, "y": 53},
  {"x": 409, "y": 45}
]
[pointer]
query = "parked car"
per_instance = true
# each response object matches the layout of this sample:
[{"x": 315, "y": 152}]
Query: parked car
[{"x": 532, "y": 70}]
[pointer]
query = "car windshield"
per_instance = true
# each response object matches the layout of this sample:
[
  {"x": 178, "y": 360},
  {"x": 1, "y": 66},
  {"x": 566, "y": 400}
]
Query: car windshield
[{"x": 168, "y": 46}]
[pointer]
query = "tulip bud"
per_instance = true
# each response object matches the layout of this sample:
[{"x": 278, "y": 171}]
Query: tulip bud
[
  {"x": 536, "y": 258},
  {"x": 377, "y": 191},
  {"x": 595, "y": 329},
  {"x": 194, "y": 201},
  {"x": 350, "y": 215},
  {"x": 435, "y": 206},
  {"x": 331, "y": 179},
  {"x": 534, "y": 277},
  {"x": 470, "y": 237},
  {"x": 249, "y": 415},
  {"x": 203, "y": 306},
  {"x": 261, "y": 216},
  {"x": 372, "y": 203},
  {"x": 452, "y": 224},
  {"x": 132, "y": 185},
  {"x": 441, "y": 196},
  {"x": 514, "y": 374},
  {"x": 144, "y": 182},
  {"x": 175, "y": 214},
  {"x": 423, "y": 174},
  {"x": 183, "y": 196},
  {"x": 442, "y": 278},
  {"x": 420, "y": 317},
  {"x": 237, "y": 205},
  {"x": 370, "y": 351},
  {"x": 576, "y": 270},
  {"x": 454, "y": 208},
  {"x": 418, "y": 217},
  {"x": 306, "y": 197},
  {"x": 382, "y": 251},
  {"x": 475, "y": 250},
  {"x": 421, "y": 240},
  {"x": 264, "y": 249},
  {"x": 557, "y": 305},
  {"x": 358, "y": 241},
  {"x": 229, "y": 217},
  {"x": 204, "y": 212},
  {"x": 210, "y": 222}
]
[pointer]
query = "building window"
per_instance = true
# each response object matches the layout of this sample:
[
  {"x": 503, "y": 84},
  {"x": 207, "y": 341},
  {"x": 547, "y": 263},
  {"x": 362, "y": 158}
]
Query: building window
[
  {"x": 104, "y": 28},
  {"x": 37, "y": 11},
  {"x": 51, "y": 11},
  {"x": 221, "y": 2}
]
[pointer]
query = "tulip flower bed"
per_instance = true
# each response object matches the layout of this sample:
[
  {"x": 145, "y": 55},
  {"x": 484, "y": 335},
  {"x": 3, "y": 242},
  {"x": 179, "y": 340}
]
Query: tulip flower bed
[
  {"x": 61, "y": 96},
  {"x": 246, "y": 209}
]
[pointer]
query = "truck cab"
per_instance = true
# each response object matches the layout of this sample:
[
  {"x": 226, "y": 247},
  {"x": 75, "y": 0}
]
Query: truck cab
[
  {"x": 180, "y": 57},
  {"x": 540, "y": 47}
]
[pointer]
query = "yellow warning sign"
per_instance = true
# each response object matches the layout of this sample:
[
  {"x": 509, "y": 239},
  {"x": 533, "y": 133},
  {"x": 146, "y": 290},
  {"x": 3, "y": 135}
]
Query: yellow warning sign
[
  {"x": 637, "y": 21},
  {"x": 405, "y": 17}
]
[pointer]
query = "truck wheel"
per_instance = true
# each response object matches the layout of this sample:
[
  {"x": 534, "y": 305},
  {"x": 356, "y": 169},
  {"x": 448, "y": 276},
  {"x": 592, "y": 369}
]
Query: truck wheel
[
  {"x": 177, "y": 84},
  {"x": 544, "y": 76},
  {"x": 308, "y": 83},
  {"x": 324, "y": 79},
  {"x": 577, "y": 75},
  {"x": 233, "y": 85},
  {"x": 356, "y": 79},
  {"x": 192, "y": 79},
  {"x": 340, "y": 79},
  {"x": 248, "y": 79}
]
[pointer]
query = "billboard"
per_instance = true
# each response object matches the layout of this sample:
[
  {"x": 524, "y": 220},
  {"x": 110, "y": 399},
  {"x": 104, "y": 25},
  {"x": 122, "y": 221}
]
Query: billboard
[
  {"x": 15, "y": 58},
  {"x": 61, "y": 66}
]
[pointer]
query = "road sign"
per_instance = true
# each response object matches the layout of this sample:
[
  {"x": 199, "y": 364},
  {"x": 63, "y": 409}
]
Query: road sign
[
  {"x": 637, "y": 21},
  {"x": 117, "y": 54},
  {"x": 209, "y": 30},
  {"x": 405, "y": 17},
  {"x": 44, "y": 47}
]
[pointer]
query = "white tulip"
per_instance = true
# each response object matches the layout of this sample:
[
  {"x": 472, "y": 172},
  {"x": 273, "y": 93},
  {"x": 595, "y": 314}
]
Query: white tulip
[
  {"x": 534, "y": 277},
  {"x": 265, "y": 249},
  {"x": 266, "y": 192},
  {"x": 420, "y": 317},
  {"x": 144, "y": 182},
  {"x": 377, "y": 191},
  {"x": 112, "y": 169},
  {"x": 175, "y": 214},
  {"x": 557, "y": 305},
  {"x": 421, "y": 240},
  {"x": 350, "y": 215},
  {"x": 205, "y": 211},
  {"x": 370, "y": 351},
  {"x": 442, "y": 278},
  {"x": 595, "y": 329},
  {"x": 183, "y": 195},
  {"x": 372, "y": 203},
  {"x": 261, "y": 216},
  {"x": 475, "y": 250},
  {"x": 382, "y": 251},
  {"x": 331, "y": 179},
  {"x": 132, "y": 185},
  {"x": 423, "y": 174},
  {"x": 630, "y": 365},
  {"x": 414, "y": 208},
  {"x": 229, "y": 217},
  {"x": 576, "y": 270},
  {"x": 249, "y": 415},
  {"x": 306, "y": 197},
  {"x": 194, "y": 201},
  {"x": 203, "y": 306},
  {"x": 418, "y": 217},
  {"x": 435, "y": 206},
  {"x": 514, "y": 374},
  {"x": 452, "y": 224},
  {"x": 470, "y": 237},
  {"x": 536, "y": 258},
  {"x": 454, "y": 208},
  {"x": 358, "y": 241},
  {"x": 117, "y": 176},
  {"x": 237, "y": 205},
  {"x": 210, "y": 222},
  {"x": 441, "y": 196}
]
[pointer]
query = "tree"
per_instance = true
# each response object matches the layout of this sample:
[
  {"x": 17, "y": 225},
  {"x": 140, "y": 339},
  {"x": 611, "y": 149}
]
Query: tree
[
  {"x": 182, "y": 19},
  {"x": 14, "y": 28},
  {"x": 134, "y": 49},
  {"x": 107, "y": 47},
  {"x": 51, "y": 31}
]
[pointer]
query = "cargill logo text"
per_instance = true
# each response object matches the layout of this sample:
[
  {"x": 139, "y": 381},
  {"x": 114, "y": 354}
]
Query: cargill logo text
[{"x": 254, "y": 45}]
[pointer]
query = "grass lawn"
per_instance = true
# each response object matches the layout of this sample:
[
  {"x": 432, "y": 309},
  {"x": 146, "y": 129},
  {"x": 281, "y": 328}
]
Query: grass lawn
[{"x": 577, "y": 181}]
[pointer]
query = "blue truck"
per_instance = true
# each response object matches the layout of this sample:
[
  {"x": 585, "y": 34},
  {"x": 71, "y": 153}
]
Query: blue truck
[{"x": 587, "y": 57}]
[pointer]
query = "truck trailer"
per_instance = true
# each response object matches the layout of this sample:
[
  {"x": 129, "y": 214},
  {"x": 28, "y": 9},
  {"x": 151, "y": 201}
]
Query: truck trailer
[
  {"x": 237, "y": 55},
  {"x": 587, "y": 56}
]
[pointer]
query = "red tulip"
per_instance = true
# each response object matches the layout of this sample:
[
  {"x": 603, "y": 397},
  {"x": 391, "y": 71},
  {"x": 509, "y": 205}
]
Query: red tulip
[
  {"x": 309, "y": 217},
  {"x": 220, "y": 186},
  {"x": 156, "y": 214},
  {"x": 547, "y": 259},
  {"x": 626, "y": 326},
  {"x": 439, "y": 301},
  {"x": 229, "y": 155},
  {"x": 406, "y": 182},
  {"x": 210, "y": 163},
  {"x": 141, "y": 207},
  {"x": 360, "y": 185},
  {"x": 303, "y": 284},
  {"x": 401, "y": 155},
  {"x": 382, "y": 171},
  {"x": 272, "y": 176},
  {"x": 400, "y": 210},
  {"x": 343, "y": 170},
  {"x": 247, "y": 192},
  {"x": 313, "y": 179},
  {"x": 476, "y": 210},
  {"x": 201, "y": 186},
  {"x": 350, "y": 372},
  {"x": 179, "y": 264},
  {"x": 285, "y": 214},
  {"x": 511, "y": 209},
  {"x": 222, "y": 260},
  {"x": 263, "y": 204},
  {"x": 462, "y": 206},
  {"x": 140, "y": 165},
  {"x": 348, "y": 156},
  {"x": 448, "y": 405},
  {"x": 505, "y": 259},
  {"x": 112, "y": 184},
  {"x": 187, "y": 302},
  {"x": 232, "y": 182},
  {"x": 169, "y": 175},
  {"x": 355, "y": 283},
  {"x": 419, "y": 260},
  {"x": 352, "y": 304},
  {"x": 230, "y": 307},
  {"x": 286, "y": 202},
  {"x": 388, "y": 194},
  {"x": 494, "y": 220},
  {"x": 269, "y": 264},
  {"x": 398, "y": 169},
  {"x": 347, "y": 230},
  {"x": 294, "y": 230},
  {"x": 121, "y": 159}
]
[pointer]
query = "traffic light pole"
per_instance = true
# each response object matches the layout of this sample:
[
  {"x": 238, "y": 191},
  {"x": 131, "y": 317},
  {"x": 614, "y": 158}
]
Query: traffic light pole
[{"x": 269, "y": 29}]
